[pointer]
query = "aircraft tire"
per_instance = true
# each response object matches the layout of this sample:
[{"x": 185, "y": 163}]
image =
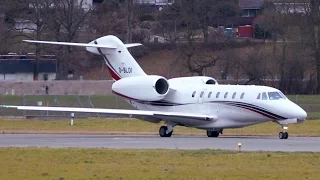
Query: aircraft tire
[
  {"x": 281, "y": 135},
  {"x": 213, "y": 133},
  {"x": 286, "y": 135},
  {"x": 163, "y": 132}
]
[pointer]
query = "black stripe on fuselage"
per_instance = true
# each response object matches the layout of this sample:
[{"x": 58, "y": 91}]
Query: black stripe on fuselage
[
  {"x": 242, "y": 105},
  {"x": 254, "y": 107}
]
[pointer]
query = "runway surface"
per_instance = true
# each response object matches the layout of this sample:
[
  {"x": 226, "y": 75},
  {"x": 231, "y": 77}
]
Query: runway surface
[{"x": 249, "y": 143}]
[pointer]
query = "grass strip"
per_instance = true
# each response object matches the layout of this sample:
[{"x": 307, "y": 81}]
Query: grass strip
[{"x": 72, "y": 163}]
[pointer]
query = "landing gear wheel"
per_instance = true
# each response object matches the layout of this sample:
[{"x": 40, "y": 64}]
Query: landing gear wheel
[
  {"x": 281, "y": 135},
  {"x": 163, "y": 132},
  {"x": 213, "y": 133},
  {"x": 284, "y": 134},
  {"x": 169, "y": 134}
]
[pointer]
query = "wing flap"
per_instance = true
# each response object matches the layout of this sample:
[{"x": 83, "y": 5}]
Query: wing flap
[{"x": 158, "y": 114}]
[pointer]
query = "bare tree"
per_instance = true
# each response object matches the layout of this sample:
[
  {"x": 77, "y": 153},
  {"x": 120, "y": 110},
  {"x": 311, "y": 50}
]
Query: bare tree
[
  {"x": 109, "y": 18},
  {"x": 281, "y": 19},
  {"x": 68, "y": 19},
  {"x": 313, "y": 24},
  {"x": 197, "y": 59},
  {"x": 29, "y": 20},
  {"x": 5, "y": 24}
]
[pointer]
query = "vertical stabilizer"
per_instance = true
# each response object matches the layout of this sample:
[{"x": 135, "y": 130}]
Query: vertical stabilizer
[{"x": 119, "y": 61}]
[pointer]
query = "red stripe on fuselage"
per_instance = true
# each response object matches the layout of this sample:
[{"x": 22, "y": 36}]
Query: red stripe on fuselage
[
  {"x": 113, "y": 74},
  {"x": 127, "y": 97}
]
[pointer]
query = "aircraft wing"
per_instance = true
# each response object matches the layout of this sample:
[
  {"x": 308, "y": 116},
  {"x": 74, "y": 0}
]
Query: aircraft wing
[{"x": 158, "y": 114}]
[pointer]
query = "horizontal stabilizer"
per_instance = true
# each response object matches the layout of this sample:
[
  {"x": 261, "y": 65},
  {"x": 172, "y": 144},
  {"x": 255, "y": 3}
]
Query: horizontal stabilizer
[
  {"x": 72, "y": 44},
  {"x": 82, "y": 44},
  {"x": 132, "y": 45}
]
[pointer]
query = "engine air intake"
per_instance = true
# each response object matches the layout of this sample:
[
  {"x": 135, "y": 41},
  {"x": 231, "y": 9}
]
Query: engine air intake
[{"x": 162, "y": 86}]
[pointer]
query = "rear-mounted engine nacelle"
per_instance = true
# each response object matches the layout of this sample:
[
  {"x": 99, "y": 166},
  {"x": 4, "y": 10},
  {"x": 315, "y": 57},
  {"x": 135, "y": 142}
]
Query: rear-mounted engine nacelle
[{"x": 145, "y": 88}]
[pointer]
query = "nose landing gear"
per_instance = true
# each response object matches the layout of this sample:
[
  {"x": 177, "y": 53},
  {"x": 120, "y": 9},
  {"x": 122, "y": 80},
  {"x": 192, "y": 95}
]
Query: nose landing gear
[{"x": 284, "y": 134}]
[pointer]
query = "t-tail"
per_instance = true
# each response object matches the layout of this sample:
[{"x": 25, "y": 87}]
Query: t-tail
[{"x": 119, "y": 61}]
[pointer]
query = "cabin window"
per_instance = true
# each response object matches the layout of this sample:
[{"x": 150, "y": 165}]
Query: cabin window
[
  {"x": 225, "y": 95},
  {"x": 264, "y": 96},
  {"x": 194, "y": 93},
  {"x": 259, "y": 96},
  {"x": 209, "y": 95},
  {"x": 234, "y": 95},
  {"x": 218, "y": 93},
  {"x": 242, "y": 95},
  {"x": 201, "y": 95}
]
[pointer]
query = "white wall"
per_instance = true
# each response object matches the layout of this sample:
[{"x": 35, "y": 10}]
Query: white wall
[
  {"x": 26, "y": 76},
  {"x": 51, "y": 76},
  {"x": 18, "y": 77}
]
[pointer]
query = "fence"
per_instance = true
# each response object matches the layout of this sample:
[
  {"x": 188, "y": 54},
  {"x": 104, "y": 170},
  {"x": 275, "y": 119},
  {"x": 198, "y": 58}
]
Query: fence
[{"x": 85, "y": 101}]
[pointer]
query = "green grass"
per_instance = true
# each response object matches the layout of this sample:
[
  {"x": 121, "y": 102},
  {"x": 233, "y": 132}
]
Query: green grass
[
  {"x": 72, "y": 163},
  {"x": 305, "y": 99},
  {"x": 133, "y": 126}
]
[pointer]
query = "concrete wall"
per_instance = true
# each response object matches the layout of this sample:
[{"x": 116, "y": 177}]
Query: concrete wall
[{"x": 56, "y": 87}]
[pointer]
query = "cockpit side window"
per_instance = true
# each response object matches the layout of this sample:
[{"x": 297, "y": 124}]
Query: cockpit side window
[
  {"x": 209, "y": 95},
  {"x": 194, "y": 93},
  {"x": 283, "y": 96},
  {"x": 259, "y": 96},
  {"x": 218, "y": 93},
  {"x": 275, "y": 96},
  {"x": 264, "y": 96},
  {"x": 234, "y": 95},
  {"x": 242, "y": 95}
]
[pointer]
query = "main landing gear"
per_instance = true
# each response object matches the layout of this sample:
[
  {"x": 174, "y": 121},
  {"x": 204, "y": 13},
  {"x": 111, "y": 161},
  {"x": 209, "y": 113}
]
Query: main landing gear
[
  {"x": 213, "y": 133},
  {"x": 284, "y": 134},
  {"x": 166, "y": 131}
]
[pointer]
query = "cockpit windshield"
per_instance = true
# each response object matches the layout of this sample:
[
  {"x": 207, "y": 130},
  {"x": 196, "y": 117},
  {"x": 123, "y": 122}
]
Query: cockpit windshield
[{"x": 276, "y": 95}]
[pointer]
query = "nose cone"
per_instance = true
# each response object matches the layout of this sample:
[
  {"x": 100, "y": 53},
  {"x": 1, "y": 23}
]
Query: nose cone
[
  {"x": 298, "y": 112},
  {"x": 301, "y": 115}
]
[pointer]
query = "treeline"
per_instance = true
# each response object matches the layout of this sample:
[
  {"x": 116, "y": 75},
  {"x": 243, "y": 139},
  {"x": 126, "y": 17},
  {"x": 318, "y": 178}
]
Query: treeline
[{"x": 287, "y": 55}]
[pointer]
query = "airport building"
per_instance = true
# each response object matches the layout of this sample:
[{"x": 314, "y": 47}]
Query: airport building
[{"x": 15, "y": 67}]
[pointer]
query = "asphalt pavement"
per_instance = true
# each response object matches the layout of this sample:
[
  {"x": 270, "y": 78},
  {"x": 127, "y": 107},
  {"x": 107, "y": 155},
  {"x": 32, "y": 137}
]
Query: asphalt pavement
[{"x": 248, "y": 143}]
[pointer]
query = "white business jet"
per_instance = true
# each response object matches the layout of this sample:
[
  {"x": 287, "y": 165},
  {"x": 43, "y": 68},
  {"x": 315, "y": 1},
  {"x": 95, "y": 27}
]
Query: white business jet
[{"x": 198, "y": 102}]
